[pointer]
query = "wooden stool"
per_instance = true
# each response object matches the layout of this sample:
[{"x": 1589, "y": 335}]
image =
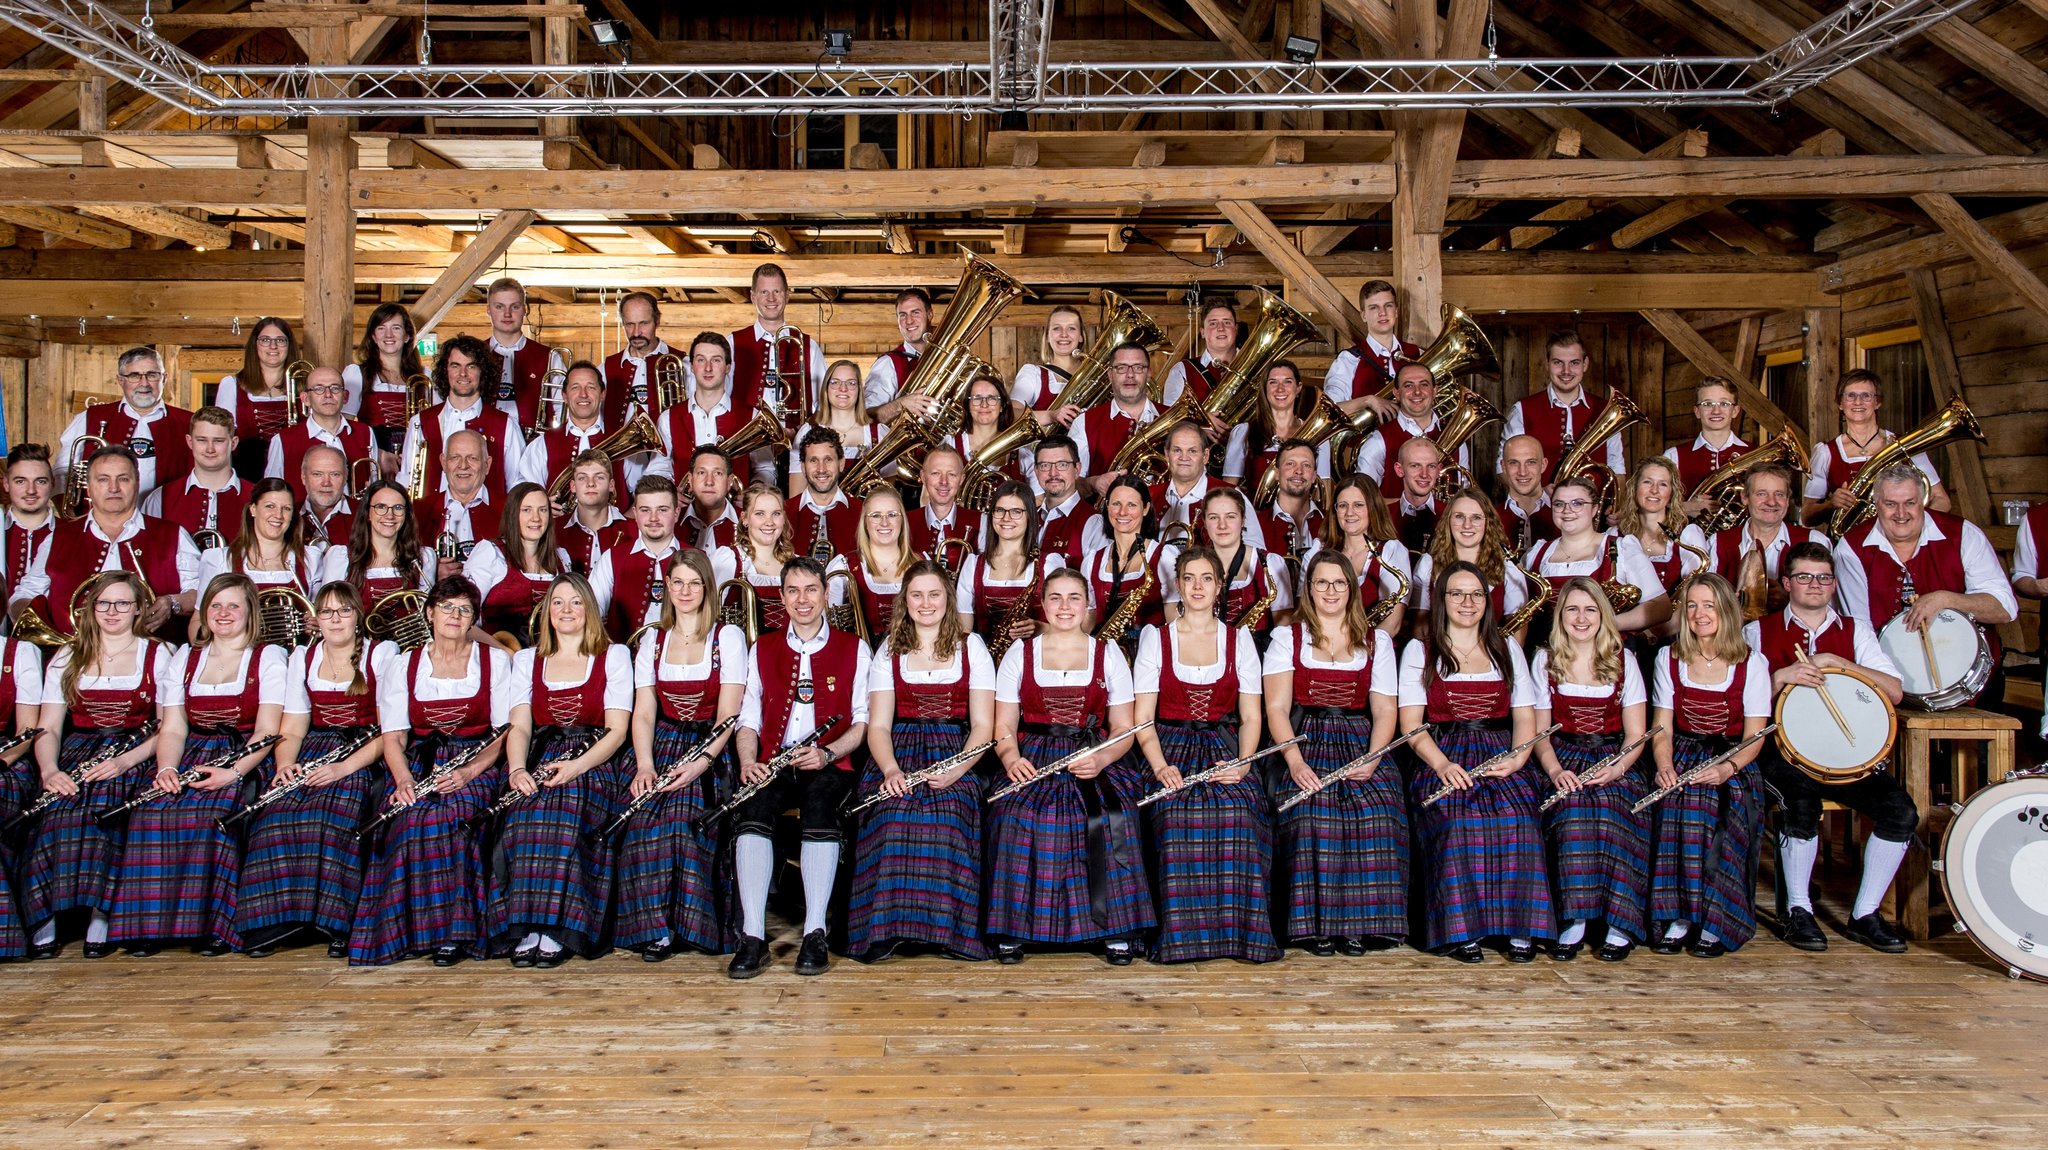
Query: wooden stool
[{"x": 1921, "y": 730}]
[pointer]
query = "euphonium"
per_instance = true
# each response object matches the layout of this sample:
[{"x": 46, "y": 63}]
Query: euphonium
[
  {"x": 764, "y": 430},
  {"x": 1620, "y": 413},
  {"x": 1122, "y": 323},
  {"x": 1468, "y": 411},
  {"x": 745, "y": 609},
  {"x": 1540, "y": 593},
  {"x": 554, "y": 402},
  {"x": 1324, "y": 420},
  {"x": 1724, "y": 485},
  {"x": 33, "y": 628},
  {"x": 295, "y": 374},
  {"x": 1950, "y": 424},
  {"x": 985, "y": 470},
  {"x": 637, "y": 436},
  {"x": 1460, "y": 348}
]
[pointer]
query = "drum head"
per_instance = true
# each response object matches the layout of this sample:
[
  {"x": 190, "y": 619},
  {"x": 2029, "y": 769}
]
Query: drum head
[
  {"x": 1836, "y": 752},
  {"x": 1957, "y": 646},
  {"x": 1995, "y": 872}
]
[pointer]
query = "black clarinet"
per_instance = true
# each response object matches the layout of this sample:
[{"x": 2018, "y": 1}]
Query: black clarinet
[
  {"x": 274, "y": 794},
  {"x": 701, "y": 750},
  {"x": 543, "y": 774},
  {"x": 187, "y": 778},
  {"x": 776, "y": 766},
  {"x": 433, "y": 783},
  {"x": 77, "y": 774}
]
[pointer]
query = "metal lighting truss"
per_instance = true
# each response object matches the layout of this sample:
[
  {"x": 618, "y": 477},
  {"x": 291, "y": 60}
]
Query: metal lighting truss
[{"x": 1019, "y": 76}]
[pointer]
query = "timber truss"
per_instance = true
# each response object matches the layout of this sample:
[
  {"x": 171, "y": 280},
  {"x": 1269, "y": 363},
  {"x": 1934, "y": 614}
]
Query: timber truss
[{"x": 1020, "y": 76}]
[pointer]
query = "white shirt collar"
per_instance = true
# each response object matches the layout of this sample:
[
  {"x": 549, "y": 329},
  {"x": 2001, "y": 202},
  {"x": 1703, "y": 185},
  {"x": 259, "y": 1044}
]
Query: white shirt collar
[
  {"x": 576, "y": 521},
  {"x": 951, "y": 518},
  {"x": 838, "y": 499},
  {"x": 1542, "y": 501},
  {"x": 1779, "y": 539},
  {"x": 807, "y": 646},
  {"x": 660, "y": 348},
  {"x": 128, "y": 529},
  {"x": 1063, "y": 508},
  {"x": 1412, "y": 426},
  {"x": 151, "y": 416},
  {"x": 1793, "y": 621},
  {"x": 1198, "y": 491},
  {"x": 1699, "y": 442},
  {"x": 640, "y": 545},
  {"x": 49, "y": 517},
  {"x": 596, "y": 427},
  {"x": 1929, "y": 531},
  {"x": 1386, "y": 350},
  {"x": 723, "y": 406},
  {"x": 463, "y": 414},
  {"x": 1146, "y": 415},
  {"x": 501, "y": 349},
  {"x": 1581, "y": 399},
  {"x": 483, "y": 495}
]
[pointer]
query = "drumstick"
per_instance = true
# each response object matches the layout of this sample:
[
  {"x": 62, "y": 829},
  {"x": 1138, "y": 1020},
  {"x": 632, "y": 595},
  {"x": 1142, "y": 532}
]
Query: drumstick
[
  {"x": 1800, "y": 654},
  {"x": 1927, "y": 649}
]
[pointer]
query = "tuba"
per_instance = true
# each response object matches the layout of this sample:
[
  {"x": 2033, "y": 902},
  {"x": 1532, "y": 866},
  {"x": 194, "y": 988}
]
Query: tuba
[
  {"x": 637, "y": 436},
  {"x": 1460, "y": 348},
  {"x": 851, "y": 615},
  {"x": 1724, "y": 485},
  {"x": 1468, "y": 412},
  {"x": 554, "y": 403},
  {"x": 1122, "y": 323},
  {"x": 33, "y": 628},
  {"x": 764, "y": 430},
  {"x": 1951, "y": 424},
  {"x": 295, "y": 374},
  {"x": 1620, "y": 413}
]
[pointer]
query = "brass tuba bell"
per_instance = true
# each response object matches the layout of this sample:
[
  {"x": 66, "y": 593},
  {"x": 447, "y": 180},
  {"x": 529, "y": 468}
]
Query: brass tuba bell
[
  {"x": 1723, "y": 486},
  {"x": 1951, "y": 424},
  {"x": 1122, "y": 322},
  {"x": 1620, "y": 413}
]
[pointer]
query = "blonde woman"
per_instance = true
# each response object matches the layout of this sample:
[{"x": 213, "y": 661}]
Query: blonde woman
[
  {"x": 879, "y": 561},
  {"x": 1647, "y": 507},
  {"x": 843, "y": 407},
  {"x": 759, "y": 553},
  {"x": 1360, "y": 529},
  {"x": 1038, "y": 385}
]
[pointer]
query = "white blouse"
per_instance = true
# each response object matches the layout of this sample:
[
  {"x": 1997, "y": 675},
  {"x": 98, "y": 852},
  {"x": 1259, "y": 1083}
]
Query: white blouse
[
  {"x": 270, "y": 677},
  {"x": 727, "y": 650},
  {"x": 1114, "y": 671},
  {"x": 334, "y": 568},
  {"x": 214, "y": 562},
  {"x": 53, "y": 676},
  {"x": 1632, "y": 691},
  {"x": 618, "y": 678},
  {"x": 1414, "y": 694},
  {"x": 395, "y": 695},
  {"x": 963, "y": 594},
  {"x": 1386, "y": 671},
  {"x": 1756, "y": 686},
  {"x": 981, "y": 670},
  {"x": 302, "y": 674},
  {"x": 1630, "y": 564},
  {"x": 26, "y": 668},
  {"x": 1146, "y": 670},
  {"x": 486, "y": 567}
]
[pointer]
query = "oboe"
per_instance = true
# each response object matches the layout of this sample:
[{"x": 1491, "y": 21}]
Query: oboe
[
  {"x": 675, "y": 771},
  {"x": 1203, "y": 776},
  {"x": 543, "y": 775},
  {"x": 1692, "y": 776},
  {"x": 916, "y": 779},
  {"x": 27, "y": 736},
  {"x": 298, "y": 781},
  {"x": 1596, "y": 768},
  {"x": 1067, "y": 764},
  {"x": 776, "y": 766},
  {"x": 433, "y": 783},
  {"x": 77, "y": 774},
  {"x": 187, "y": 778},
  {"x": 1485, "y": 769},
  {"x": 1300, "y": 797}
]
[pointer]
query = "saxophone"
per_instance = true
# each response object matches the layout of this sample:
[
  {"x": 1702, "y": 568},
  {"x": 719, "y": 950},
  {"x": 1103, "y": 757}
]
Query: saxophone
[
  {"x": 1117, "y": 625},
  {"x": 1540, "y": 592},
  {"x": 1255, "y": 614},
  {"x": 1383, "y": 608},
  {"x": 1017, "y": 612}
]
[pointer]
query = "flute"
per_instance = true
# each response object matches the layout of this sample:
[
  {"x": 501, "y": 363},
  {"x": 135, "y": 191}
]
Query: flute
[
  {"x": 1067, "y": 764},
  {"x": 776, "y": 766},
  {"x": 433, "y": 783},
  {"x": 1294, "y": 800},
  {"x": 543, "y": 775},
  {"x": 77, "y": 774},
  {"x": 1485, "y": 769},
  {"x": 187, "y": 778},
  {"x": 1596, "y": 768},
  {"x": 1204, "y": 776},
  {"x": 916, "y": 779},
  {"x": 674, "y": 772},
  {"x": 298, "y": 781},
  {"x": 1692, "y": 776}
]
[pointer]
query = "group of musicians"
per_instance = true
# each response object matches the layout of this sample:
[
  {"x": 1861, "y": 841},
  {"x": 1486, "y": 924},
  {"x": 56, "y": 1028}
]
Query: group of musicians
[{"x": 1104, "y": 708}]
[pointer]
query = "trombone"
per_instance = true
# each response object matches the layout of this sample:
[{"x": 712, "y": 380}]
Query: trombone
[
  {"x": 295, "y": 374},
  {"x": 665, "y": 381},
  {"x": 554, "y": 401}
]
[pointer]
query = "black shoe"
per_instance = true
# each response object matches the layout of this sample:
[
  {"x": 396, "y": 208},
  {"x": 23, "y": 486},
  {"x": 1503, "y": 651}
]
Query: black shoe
[
  {"x": 1566, "y": 951},
  {"x": 1615, "y": 951},
  {"x": 813, "y": 957},
  {"x": 749, "y": 958},
  {"x": 338, "y": 948},
  {"x": 1469, "y": 952},
  {"x": 447, "y": 956},
  {"x": 213, "y": 947},
  {"x": 95, "y": 949},
  {"x": 46, "y": 950},
  {"x": 1322, "y": 947},
  {"x": 264, "y": 951},
  {"x": 658, "y": 951},
  {"x": 1009, "y": 953},
  {"x": 1703, "y": 949},
  {"x": 1352, "y": 947},
  {"x": 1665, "y": 945},
  {"x": 1120, "y": 954},
  {"x": 1874, "y": 932},
  {"x": 550, "y": 959},
  {"x": 1797, "y": 928},
  {"x": 525, "y": 958},
  {"x": 1521, "y": 952},
  {"x": 141, "y": 950}
]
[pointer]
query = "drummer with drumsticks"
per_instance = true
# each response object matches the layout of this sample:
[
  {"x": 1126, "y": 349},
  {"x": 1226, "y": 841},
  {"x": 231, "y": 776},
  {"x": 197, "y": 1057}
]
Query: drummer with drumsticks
[{"x": 1803, "y": 644}]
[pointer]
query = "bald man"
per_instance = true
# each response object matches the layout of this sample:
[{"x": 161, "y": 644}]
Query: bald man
[
  {"x": 1418, "y": 462},
  {"x": 463, "y": 507},
  {"x": 1525, "y": 511},
  {"x": 324, "y": 422}
]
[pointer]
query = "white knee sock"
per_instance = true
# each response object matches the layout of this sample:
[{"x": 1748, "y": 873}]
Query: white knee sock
[
  {"x": 548, "y": 945},
  {"x": 46, "y": 933},
  {"x": 1616, "y": 938},
  {"x": 755, "y": 856},
  {"x": 821, "y": 868},
  {"x": 1708, "y": 936},
  {"x": 1797, "y": 857},
  {"x": 1676, "y": 930},
  {"x": 1881, "y": 859},
  {"x": 531, "y": 940},
  {"x": 96, "y": 930},
  {"x": 1572, "y": 933}
]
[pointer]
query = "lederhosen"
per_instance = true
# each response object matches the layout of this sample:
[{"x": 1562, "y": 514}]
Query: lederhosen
[{"x": 1799, "y": 795}]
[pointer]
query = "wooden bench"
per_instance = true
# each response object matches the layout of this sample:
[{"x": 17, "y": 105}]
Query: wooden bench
[{"x": 1919, "y": 731}]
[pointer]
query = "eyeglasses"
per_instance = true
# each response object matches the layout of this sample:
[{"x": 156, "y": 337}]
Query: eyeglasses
[
  {"x": 1859, "y": 397},
  {"x": 143, "y": 376},
  {"x": 1128, "y": 369},
  {"x": 455, "y": 610},
  {"x": 336, "y": 614},
  {"x": 1328, "y": 585},
  {"x": 114, "y": 606},
  {"x": 1714, "y": 404},
  {"x": 1008, "y": 513},
  {"x": 1571, "y": 504},
  {"x": 1813, "y": 578},
  {"x": 387, "y": 509},
  {"x": 984, "y": 399},
  {"x": 327, "y": 389},
  {"x": 1056, "y": 464},
  {"x": 273, "y": 341},
  {"x": 1464, "y": 596}
]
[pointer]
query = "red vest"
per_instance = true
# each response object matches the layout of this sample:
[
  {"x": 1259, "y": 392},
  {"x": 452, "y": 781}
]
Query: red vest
[
  {"x": 339, "y": 710},
  {"x": 1586, "y": 714},
  {"x": 1197, "y": 702},
  {"x": 77, "y": 554},
  {"x": 111, "y": 422},
  {"x": 902, "y": 361},
  {"x": 1936, "y": 566},
  {"x": 679, "y": 429},
  {"x": 21, "y": 547},
  {"x": 583, "y": 544},
  {"x": 621, "y": 392},
  {"x": 1107, "y": 430},
  {"x": 106, "y": 710},
  {"x": 750, "y": 364},
  {"x": 724, "y": 531},
  {"x": 461, "y": 717},
  {"x": 1726, "y": 548},
  {"x": 931, "y": 702},
  {"x": 258, "y": 416},
  {"x": 1380, "y": 371},
  {"x": 1553, "y": 425},
  {"x": 1706, "y": 710},
  {"x": 1394, "y": 435},
  {"x": 841, "y": 522},
  {"x": 1085, "y": 706},
  {"x": 1526, "y": 533},
  {"x": 1109, "y": 592},
  {"x": 578, "y": 706},
  {"x": 1467, "y": 700},
  {"x": 496, "y": 428},
  {"x": 992, "y": 603},
  {"x": 1610, "y": 549},
  {"x": 1045, "y": 398},
  {"x": 1696, "y": 463},
  {"x": 1280, "y": 533},
  {"x": 769, "y": 595},
  {"x": 8, "y": 675},
  {"x": 687, "y": 700},
  {"x": 509, "y": 602},
  {"x": 236, "y": 711},
  {"x": 563, "y": 448},
  {"x": 1062, "y": 535},
  {"x": 2036, "y": 524},
  {"x": 431, "y": 517},
  {"x": 966, "y": 525},
  {"x": 636, "y": 585},
  {"x": 380, "y": 408},
  {"x": 1779, "y": 635},
  {"x": 1238, "y": 600},
  {"x": 1840, "y": 470},
  {"x": 356, "y": 445},
  {"x": 335, "y": 529},
  {"x": 1328, "y": 686},
  {"x": 878, "y": 607},
  {"x": 832, "y": 675},
  {"x": 188, "y": 507},
  {"x": 529, "y": 365},
  {"x": 1200, "y": 378}
]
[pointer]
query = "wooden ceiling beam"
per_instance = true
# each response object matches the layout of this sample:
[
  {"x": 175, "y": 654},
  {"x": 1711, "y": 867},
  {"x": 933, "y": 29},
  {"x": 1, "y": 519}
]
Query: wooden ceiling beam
[
  {"x": 1226, "y": 30},
  {"x": 1330, "y": 301},
  {"x": 1967, "y": 479},
  {"x": 1996, "y": 258},
  {"x": 2017, "y": 75},
  {"x": 468, "y": 266},
  {"x": 69, "y": 226},
  {"x": 1702, "y": 355},
  {"x": 2019, "y": 228}
]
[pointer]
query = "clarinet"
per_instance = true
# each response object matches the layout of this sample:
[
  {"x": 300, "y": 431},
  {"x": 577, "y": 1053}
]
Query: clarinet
[
  {"x": 1485, "y": 769},
  {"x": 281, "y": 790},
  {"x": 77, "y": 774},
  {"x": 1067, "y": 764},
  {"x": 187, "y": 778},
  {"x": 1596, "y": 768},
  {"x": 543, "y": 774},
  {"x": 1294, "y": 800},
  {"x": 1692, "y": 776},
  {"x": 1187, "y": 782},
  {"x": 433, "y": 783},
  {"x": 916, "y": 779},
  {"x": 674, "y": 772},
  {"x": 776, "y": 766}
]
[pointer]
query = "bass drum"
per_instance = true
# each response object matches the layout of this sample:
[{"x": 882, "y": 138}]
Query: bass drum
[
  {"x": 1856, "y": 746},
  {"x": 1944, "y": 667},
  {"x": 1994, "y": 870}
]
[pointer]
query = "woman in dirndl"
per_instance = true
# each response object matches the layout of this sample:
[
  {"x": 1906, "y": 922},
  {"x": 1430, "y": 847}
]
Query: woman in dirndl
[
  {"x": 423, "y": 890},
  {"x": 21, "y": 699},
  {"x": 99, "y": 698},
  {"x": 1332, "y": 678},
  {"x": 1011, "y": 569},
  {"x": 689, "y": 675},
  {"x": 1198, "y": 680},
  {"x": 303, "y": 866},
  {"x": 571, "y": 710},
  {"x": 516, "y": 570},
  {"x": 1481, "y": 847},
  {"x": 180, "y": 871},
  {"x": 917, "y": 863},
  {"x": 1708, "y": 693},
  {"x": 383, "y": 554},
  {"x": 868, "y": 578},
  {"x": 1247, "y": 575},
  {"x": 1050, "y": 881},
  {"x": 1587, "y": 682}
]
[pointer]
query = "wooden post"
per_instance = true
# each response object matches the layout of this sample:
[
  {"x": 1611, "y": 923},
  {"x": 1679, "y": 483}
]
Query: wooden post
[
  {"x": 1967, "y": 485},
  {"x": 330, "y": 281},
  {"x": 1647, "y": 352},
  {"x": 557, "y": 44},
  {"x": 1823, "y": 371}
]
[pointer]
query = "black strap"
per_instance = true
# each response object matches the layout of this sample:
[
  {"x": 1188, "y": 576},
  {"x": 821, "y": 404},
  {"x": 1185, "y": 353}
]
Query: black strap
[{"x": 1108, "y": 837}]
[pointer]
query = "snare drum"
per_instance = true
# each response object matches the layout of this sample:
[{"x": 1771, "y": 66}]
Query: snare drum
[
  {"x": 1994, "y": 870},
  {"x": 1857, "y": 746},
  {"x": 1943, "y": 667}
]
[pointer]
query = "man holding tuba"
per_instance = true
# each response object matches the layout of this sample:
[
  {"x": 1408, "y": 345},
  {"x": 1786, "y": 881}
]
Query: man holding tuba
[
  {"x": 1560, "y": 415},
  {"x": 710, "y": 414},
  {"x": 885, "y": 379},
  {"x": 1358, "y": 373},
  {"x": 584, "y": 426},
  {"x": 142, "y": 422},
  {"x": 1715, "y": 406},
  {"x": 798, "y": 357},
  {"x": 1101, "y": 431},
  {"x": 113, "y": 535},
  {"x": 1414, "y": 414},
  {"x": 630, "y": 373}
]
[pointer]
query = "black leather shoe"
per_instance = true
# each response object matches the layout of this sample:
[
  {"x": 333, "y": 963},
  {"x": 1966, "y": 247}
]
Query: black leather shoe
[
  {"x": 548, "y": 960},
  {"x": 1702, "y": 949},
  {"x": 1469, "y": 952},
  {"x": 98, "y": 949},
  {"x": 749, "y": 958},
  {"x": 213, "y": 947},
  {"x": 264, "y": 951},
  {"x": 1874, "y": 932},
  {"x": 525, "y": 958},
  {"x": 47, "y": 950},
  {"x": 813, "y": 957},
  {"x": 1615, "y": 951},
  {"x": 1669, "y": 945},
  {"x": 1120, "y": 955},
  {"x": 658, "y": 951},
  {"x": 338, "y": 948},
  {"x": 447, "y": 956},
  {"x": 141, "y": 950},
  {"x": 1322, "y": 947},
  {"x": 1351, "y": 947},
  {"x": 1567, "y": 951},
  {"x": 1009, "y": 953},
  {"x": 1521, "y": 952},
  {"x": 1800, "y": 931}
]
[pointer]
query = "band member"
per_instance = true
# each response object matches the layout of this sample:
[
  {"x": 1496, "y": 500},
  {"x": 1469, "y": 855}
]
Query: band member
[
  {"x": 1580, "y": 549},
  {"x": 1767, "y": 490},
  {"x": 627, "y": 578},
  {"x": 268, "y": 549},
  {"x": 593, "y": 523},
  {"x": 840, "y": 410},
  {"x": 1646, "y": 510},
  {"x": 868, "y": 579},
  {"x": 324, "y": 422},
  {"x": 710, "y": 520},
  {"x": 303, "y": 870},
  {"x": 1101, "y": 431},
  {"x": 710, "y": 415},
  {"x": 1562, "y": 412},
  {"x": 1248, "y": 575},
  {"x": 254, "y": 397},
  {"x": 797, "y": 679},
  {"x": 1131, "y": 559},
  {"x": 1418, "y": 463},
  {"x": 1719, "y": 414},
  {"x": 572, "y": 710},
  {"x": 931, "y": 695},
  {"x": 1179, "y": 496},
  {"x": 423, "y": 889},
  {"x": 326, "y": 513},
  {"x": 384, "y": 552},
  {"x": 141, "y": 421},
  {"x": 1038, "y": 385},
  {"x": 98, "y": 691},
  {"x": 387, "y": 356},
  {"x": 466, "y": 508},
  {"x": 2029, "y": 546},
  {"x": 459, "y": 376},
  {"x": 206, "y": 501},
  {"x": 1213, "y": 842},
  {"x": 1343, "y": 858},
  {"x": 940, "y": 527},
  {"x": 1359, "y": 372},
  {"x": 21, "y": 700},
  {"x": 1709, "y": 691},
  {"x": 514, "y": 571},
  {"x": 989, "y": 413},
  {"x": 1471, "y": 534},
  {"x": 1809, "y": 625},
  {"x": 1525, "y": 509},
  {"x": 630, "y": 373},
  {"x": 583, "y": 427},
  {"x": 821, "y": 517},
  {"x": 1063, "y": 865},
  {"x": 1588, "y": 683},
  {"x": 802, "y": 360},
  {"x": 1217, "y": 330},
  {"x": 29, "y": 518},
  {"x": 1921, "y": 562},
  {"x": 1833, "y": 464},
  {"x": 689, "y": 674},
  {"x": 1012, "y": 568},
  {"x": 513, "y": 374},
  {"x": 887, "y": 377},
  {"x": 179, "y": 870},
  {"x": 1414, "y": 414},
  {"x": 1062, "y": 516},
  {"x": 1360, "y": 530},
  {"x": 760, "y": 557},
  {"x": 1283, "y": 404},
  {"x": 1481, "y": 848},
  {"x": 113, "y": 535}
]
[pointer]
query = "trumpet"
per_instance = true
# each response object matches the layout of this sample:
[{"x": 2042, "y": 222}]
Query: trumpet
[
  {"x": 434, "y": 783},
  {"x": 449, "y": 546},
  {"x": 916, "y": 779},
  {"x": 1486, "y": 769},
  {"x": 281, "y": 791},
  {"x": 77, "y": 497},
  {"x": 821, "y": 542},
  {"x": 295, "y": 374},
  {"x": 554, "y": 401},
  {"x": 187, "y": 778},
  {"x": 1188, "y": 782},
  {"x": 48, "y": 799},
  {"x": 948, "y": 544},
  {"x": 1694, "y": 775},
  {"x": 1068, "y": 763},
  {"x": 1322, "y": 781},
  {"x": 776, "y": 766},
  {"x": 361, "y": 473},
  {"x": 1724, "y": 485},
  {"x": 1951, "y": 424}
]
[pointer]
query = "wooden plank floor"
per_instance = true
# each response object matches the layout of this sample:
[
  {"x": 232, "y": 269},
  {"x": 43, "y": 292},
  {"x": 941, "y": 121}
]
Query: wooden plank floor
[{"x": 1768, "y": 1047}]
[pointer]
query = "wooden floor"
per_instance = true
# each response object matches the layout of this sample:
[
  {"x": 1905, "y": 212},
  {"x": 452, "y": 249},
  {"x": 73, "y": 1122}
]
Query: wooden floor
[{"x": 1768, "y": 1047}]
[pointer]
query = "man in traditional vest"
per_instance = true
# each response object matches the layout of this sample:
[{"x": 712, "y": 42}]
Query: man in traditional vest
[
  {"x": 324, "y": 423},
  {"x": 1063, "y": 516},
  {"x": 630, "y": 372},
  {"x": 709, "y": 415},
  {"x": 30, "y": 515},
  {"x": 459, "y": 374},
  {"x": 1768, "y": 488},
  {"x": 1525, "y": 508},
  {"x": 1414, "y": 414},
  {"x": 1358, "y": 373},
  {"x": 207, "y": 500},
  {"x": 517, "y": 364},
  {"x": 802, "y": 359},
  {"x": 939, "y": 515},
  {"x": 114, "y": 534},
  {"x": 1218, "y": 331},
  {"x": 1719, "y": 413},
  {"x": 584, "y": 426},
  {"x": 1418, "y": 463},
  {"x": 1178, "y": 497},
  {"x": 822, "y": 520},
  {"x": 626, "y": 579},
  {"x": 1292, "y": 522},
  {"x": 142, "y": 422},
  {"x": 593, "y": 522},
  {"x": 1560, "y": 414},
  {"x": 886, "y": 378},
  {"x": 710, "y": 521},
  {"x": 1101, "y": 431},
  {"x": 463, "y": 509}
]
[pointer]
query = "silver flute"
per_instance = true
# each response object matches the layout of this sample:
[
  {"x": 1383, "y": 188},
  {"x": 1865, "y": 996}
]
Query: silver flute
[
  {"x": 1294, "y": 800},
  {"x": 1203, "y": 776},
  {"x": 1596, "y": 768},
  {"x": 916, "y": 779},
  {"x": 1485, "y": 769},
  {"x": 1692, "y": 776},
  {"x": 1069, "y": 763}
]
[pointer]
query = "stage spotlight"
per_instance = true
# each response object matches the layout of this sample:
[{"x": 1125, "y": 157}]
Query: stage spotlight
[
  {"x": 838, "y": 41},
  {"x": 1302, "y": 50}
]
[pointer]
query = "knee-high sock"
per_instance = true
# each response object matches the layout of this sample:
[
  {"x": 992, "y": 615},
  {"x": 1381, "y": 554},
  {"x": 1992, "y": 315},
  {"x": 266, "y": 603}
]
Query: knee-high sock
[
  {"x": 46, "y": 933},
  {"x": 755, "y": 857},
  {"x": 96, "y": 930},
  {"x": 1797, "y": 857},
  {"x": 821, "y": 868},
  {"x": 1572, "y": 933},
  {"x": 1881, "y": 858}
]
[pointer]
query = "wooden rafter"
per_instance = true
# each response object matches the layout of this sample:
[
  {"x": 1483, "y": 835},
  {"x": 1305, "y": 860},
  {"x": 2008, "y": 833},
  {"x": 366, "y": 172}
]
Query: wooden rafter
[
  {"x": 1972, "y": 491},
  {"x": 1328, "y": 298},
  {"x": 1702, "y": 355},
  {"x": 1974, "y": 238},
  {"x": 468, "y": 265}
]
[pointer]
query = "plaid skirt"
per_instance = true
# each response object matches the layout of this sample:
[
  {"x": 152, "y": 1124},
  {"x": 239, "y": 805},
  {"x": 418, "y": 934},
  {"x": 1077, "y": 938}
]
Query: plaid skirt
[
  {"x": 1705, "y": 868},
  {"x": 1042, "y": 885},
  {"x": 71, "y": 859},
  {"x": 1343, "y": 855},
  {"x": 1599, "y": 851},
  {"x": 179, "y": 872},
  {"x": 1481, "y": 849},
  {"x": 545, "y": 874},
  {"x": 917, "y": 868},
  {"x": 667, "y": 869},
  {"x": 1214, "y": 846},
  {"x": 18, "y": 787},
  {"x": 304, "y": 865},
  {"x": 424, "y": 886}
]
